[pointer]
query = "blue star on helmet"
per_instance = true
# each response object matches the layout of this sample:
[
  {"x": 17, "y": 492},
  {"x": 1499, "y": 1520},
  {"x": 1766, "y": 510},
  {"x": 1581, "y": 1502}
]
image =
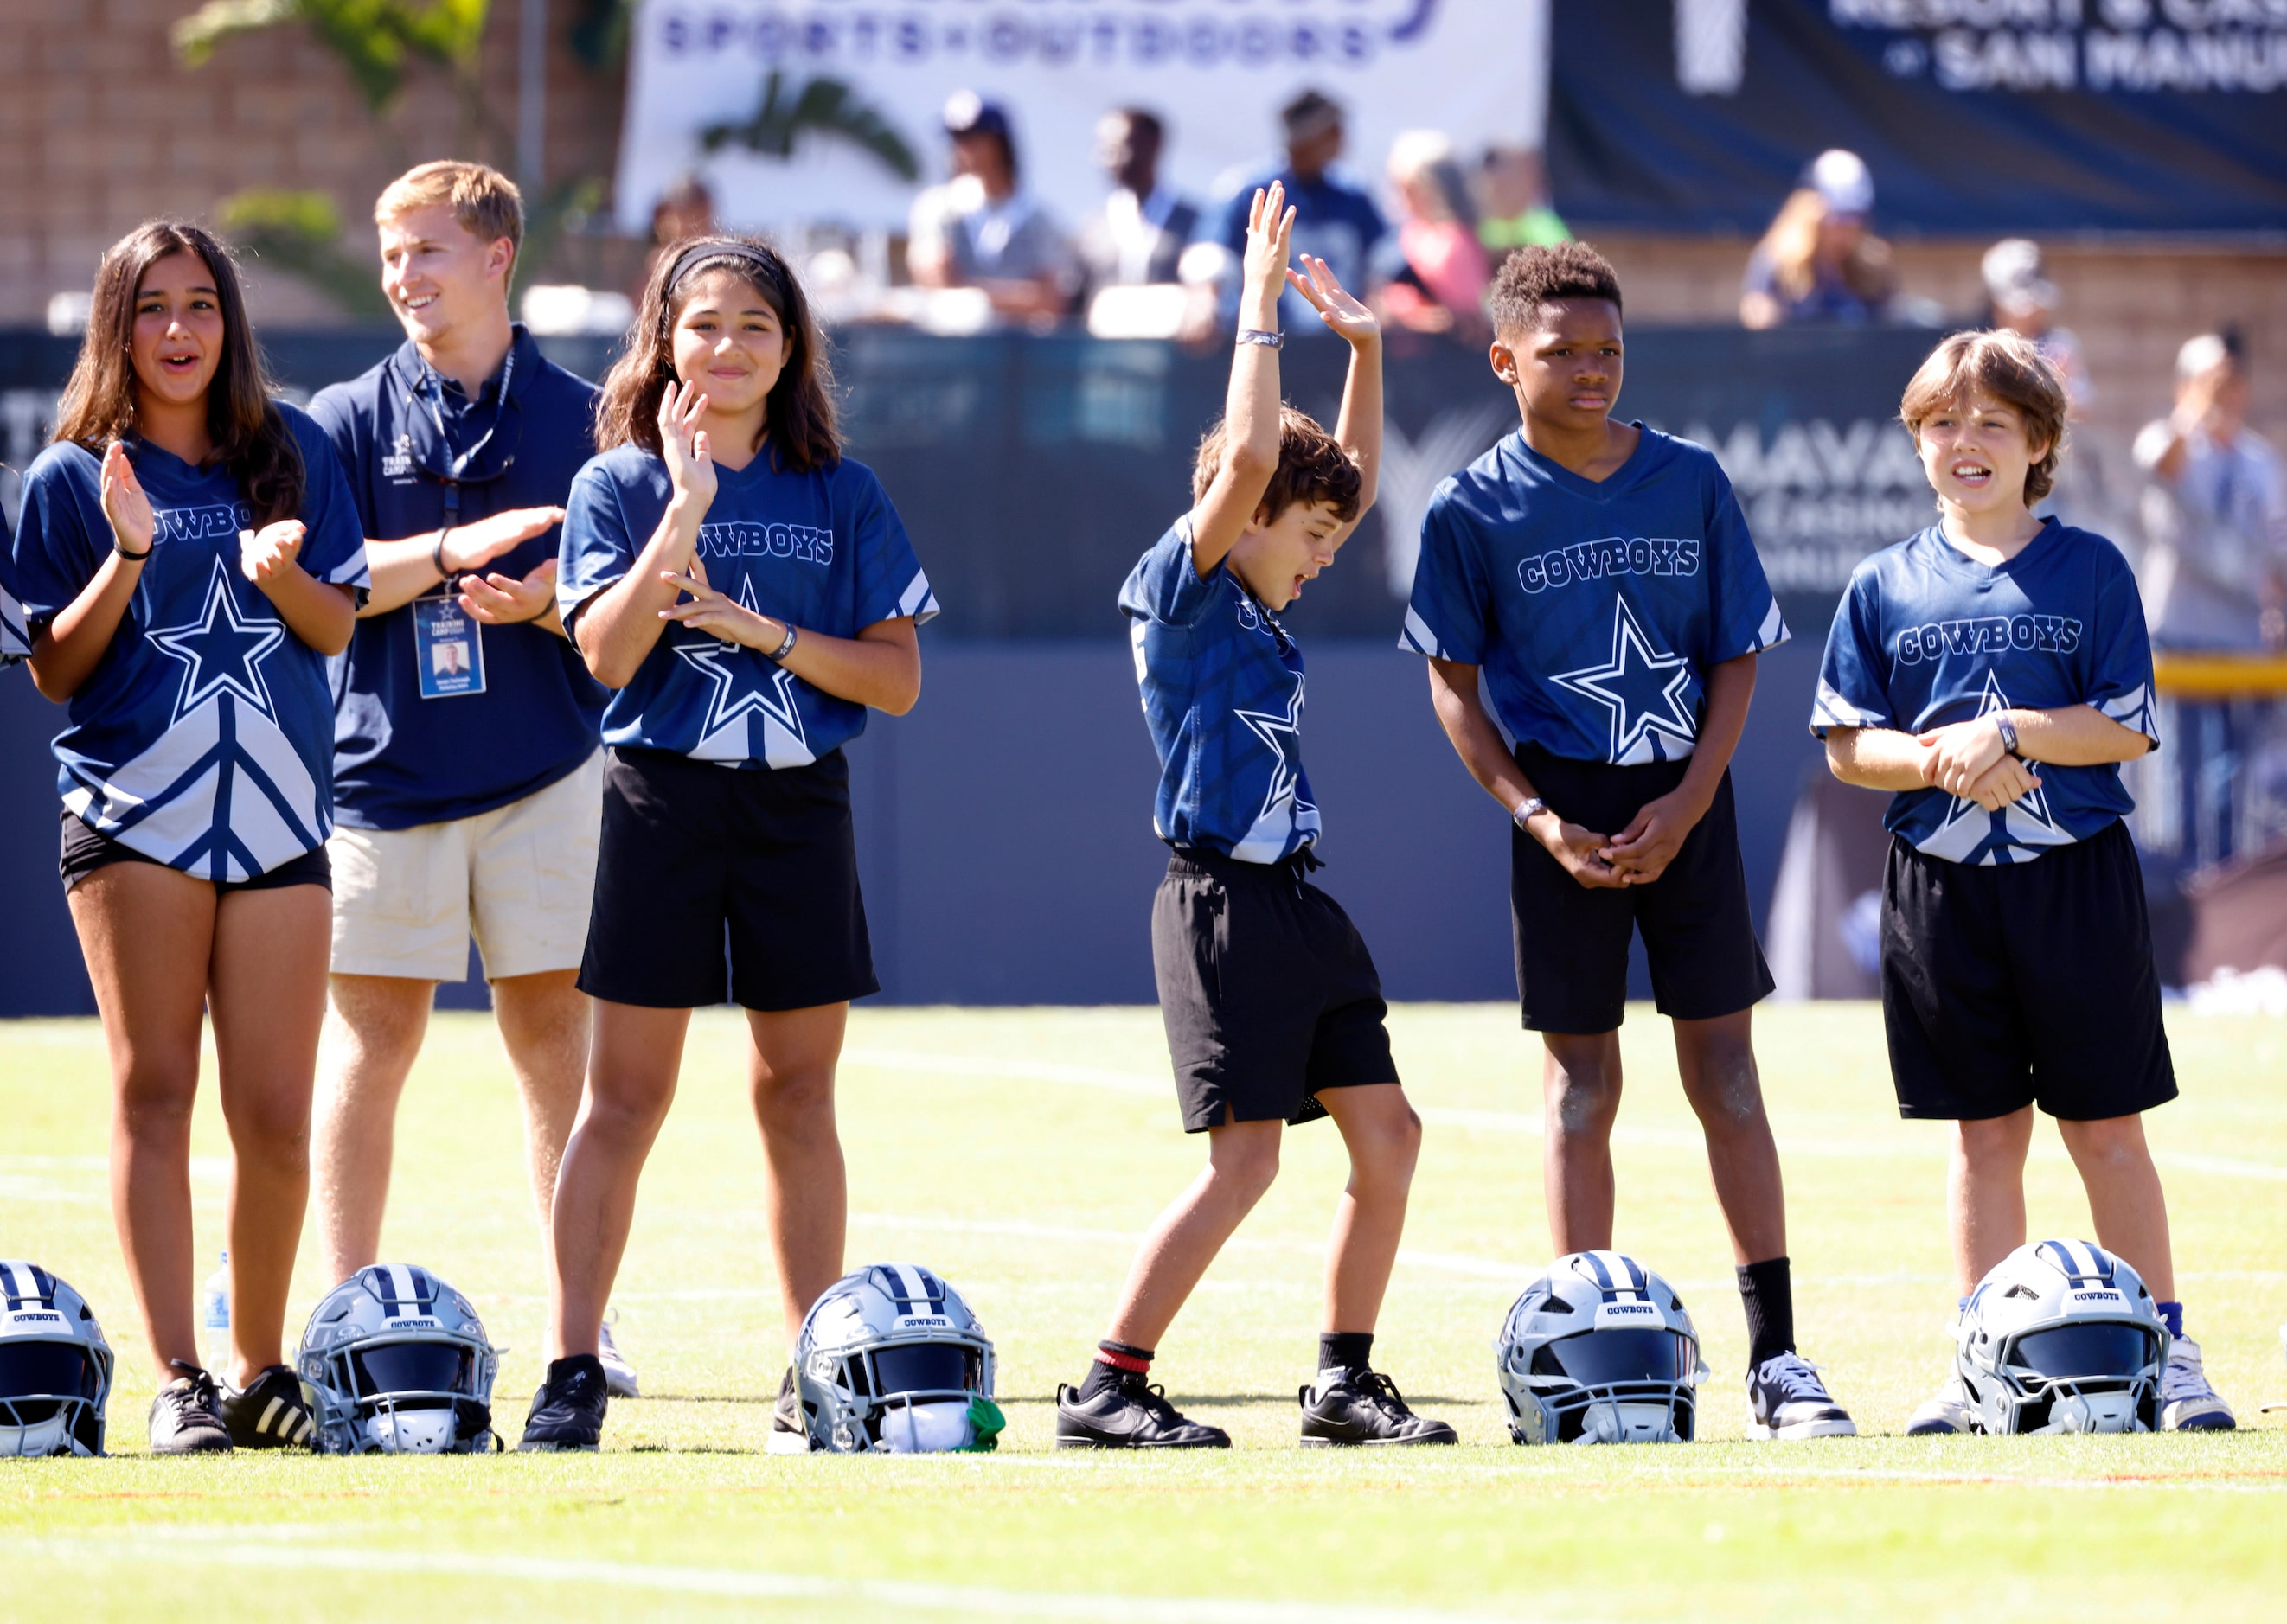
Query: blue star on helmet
[
  {"x": 1643, "y": 691},
  {"x": 1282, "y": 733},
  {"x": 745, "y": 684},
  {"x": 1972, "y": 834},
  {"x": 221, "y": 652}
]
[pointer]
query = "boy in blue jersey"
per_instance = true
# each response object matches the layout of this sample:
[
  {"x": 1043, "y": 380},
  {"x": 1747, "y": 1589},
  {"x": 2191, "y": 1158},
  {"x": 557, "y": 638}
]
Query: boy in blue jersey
[
  {"x": 1272, "y": 1006},
  {"x": 1599, "y": 577},
  {"x": 1994, "y": 671},
  {"x": 468, "y": 776}
]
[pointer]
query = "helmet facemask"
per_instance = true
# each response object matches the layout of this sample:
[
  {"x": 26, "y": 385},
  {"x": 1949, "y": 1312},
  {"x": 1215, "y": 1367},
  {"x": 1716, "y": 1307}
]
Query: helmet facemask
[
  {"x": 395, "y": 1361},
  {"x": 1600, "y": 1350},
  {"x": 55, "y": 1366},
  {"x": 892, "y": 1361}
]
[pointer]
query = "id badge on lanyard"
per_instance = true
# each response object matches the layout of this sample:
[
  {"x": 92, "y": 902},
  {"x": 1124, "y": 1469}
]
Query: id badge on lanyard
[{"x": 448, "y": 649}]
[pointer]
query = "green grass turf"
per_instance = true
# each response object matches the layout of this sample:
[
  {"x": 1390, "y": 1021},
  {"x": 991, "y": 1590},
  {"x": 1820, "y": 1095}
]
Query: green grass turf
[{"x": 1019, "y": 1151}]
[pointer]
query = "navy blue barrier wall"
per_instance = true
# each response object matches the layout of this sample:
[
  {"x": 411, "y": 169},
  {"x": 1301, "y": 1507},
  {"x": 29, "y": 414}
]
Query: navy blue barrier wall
[{"x": 1005, "y": 825}]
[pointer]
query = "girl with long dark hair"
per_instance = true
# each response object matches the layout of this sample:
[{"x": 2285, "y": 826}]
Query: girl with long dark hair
[
  {"x": 750, "y": 593},
  {"x": 188, "y": 556}
]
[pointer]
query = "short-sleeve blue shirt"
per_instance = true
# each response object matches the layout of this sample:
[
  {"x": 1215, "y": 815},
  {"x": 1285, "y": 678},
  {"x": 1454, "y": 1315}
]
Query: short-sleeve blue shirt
[
  {"x": 401, "y": 761},
  {"x": 1596, "y": 607},
  {"x": 203, "y": 737},
  {"x": 1927, "y": 635},
  {"x": 823, "y": 551},
  {"x": 1223, "y": 695}
]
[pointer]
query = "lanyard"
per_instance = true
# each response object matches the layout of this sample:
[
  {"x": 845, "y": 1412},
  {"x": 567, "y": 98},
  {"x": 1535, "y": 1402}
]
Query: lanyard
[{"x": 430, "y": 391}]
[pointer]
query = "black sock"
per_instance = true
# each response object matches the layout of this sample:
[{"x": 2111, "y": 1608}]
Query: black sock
[
  {"x": 1767, "y": 1292},
  {"x": 1114, "y": 1361},
  {"x": 1345, "y": 1350}
]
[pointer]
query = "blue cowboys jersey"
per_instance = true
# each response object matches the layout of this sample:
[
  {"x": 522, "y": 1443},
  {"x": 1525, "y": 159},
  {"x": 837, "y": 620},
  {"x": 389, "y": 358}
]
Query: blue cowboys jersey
[
  {"x": 1596, "y": 607},
  {"x": 1927, "y": 636},
  {"x": 204, "y": 737},
  {"x": 1223, "y": 695},
  {"x": 824, "y": 551}
]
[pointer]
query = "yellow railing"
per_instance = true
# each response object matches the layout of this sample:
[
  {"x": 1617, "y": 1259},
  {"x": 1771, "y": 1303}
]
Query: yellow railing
[{"x": 2220, "y": 676}]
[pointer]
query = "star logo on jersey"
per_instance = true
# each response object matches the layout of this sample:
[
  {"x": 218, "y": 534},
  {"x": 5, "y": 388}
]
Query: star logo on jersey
[
  {"x": 1642, "y": 690},
  {"x": 1283, "y": 735},
  {"x": 220, "y": 652},
  {"x": 744, "y": 683},
  {"x": 1972, "y": 834}
]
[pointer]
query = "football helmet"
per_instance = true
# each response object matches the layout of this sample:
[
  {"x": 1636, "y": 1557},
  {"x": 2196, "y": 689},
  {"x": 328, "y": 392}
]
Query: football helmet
[
  {"x": 2061, "y": 1337},
  {"x": 396, "y": 1361},
  {"x": 891, "y": 1360},
  {"x": 1599, "y": 1350},
  {"x": 55, "y": 1367}
]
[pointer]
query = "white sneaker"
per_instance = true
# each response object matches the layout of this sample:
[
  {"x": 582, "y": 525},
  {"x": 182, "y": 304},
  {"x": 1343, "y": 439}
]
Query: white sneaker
[
  {"x": 1786, "y": 1399},
  {"x": 1946, "y": 1412},
  {"x": 2187, "y": 1404},
  {"x": 619, "y": 1376}
]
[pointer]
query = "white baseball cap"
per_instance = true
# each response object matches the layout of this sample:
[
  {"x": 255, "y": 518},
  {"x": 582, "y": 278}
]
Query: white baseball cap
[{"x": 1842, "y": 178}]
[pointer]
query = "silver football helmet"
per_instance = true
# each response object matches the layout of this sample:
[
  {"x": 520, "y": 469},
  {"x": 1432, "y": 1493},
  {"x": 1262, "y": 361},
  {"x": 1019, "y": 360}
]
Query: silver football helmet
[
  {"x": 2061, "y": 1337},
  {"x": 1599, "y": 1350},
  {"x": 55, "y": 1367},
  {"x": 891, "y": 1360},
  {"x": 395, "y": 1361}
]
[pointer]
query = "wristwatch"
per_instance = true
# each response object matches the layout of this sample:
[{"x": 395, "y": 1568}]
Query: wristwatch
[
  {"x": 1527, "y": 810},
  {"x": 1256, "y": 335},
  {"x": 2008, "y": 731}
]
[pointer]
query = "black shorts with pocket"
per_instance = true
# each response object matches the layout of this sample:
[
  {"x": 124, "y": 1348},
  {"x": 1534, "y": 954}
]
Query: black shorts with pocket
[
  {"x": 2011, "y": 984},
  {"x": 1572, "y": 940},
  {"x": 86, "y": 850},
  {"x": 699, "y": 861},
  {"x": 1268, "y": 995}
]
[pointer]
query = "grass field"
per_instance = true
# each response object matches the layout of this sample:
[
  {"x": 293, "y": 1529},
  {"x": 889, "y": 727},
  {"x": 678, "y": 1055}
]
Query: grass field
[{"x": 1019, "y": 1152}]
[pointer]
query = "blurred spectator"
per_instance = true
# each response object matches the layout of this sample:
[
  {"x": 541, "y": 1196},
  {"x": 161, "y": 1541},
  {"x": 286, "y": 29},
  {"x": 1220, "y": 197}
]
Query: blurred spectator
[
  {"x": 1818, "y": 263},
  {"x": 1141, "y": 233},
  {"x": 1334, "y": 220},
  {"x": 1438, "y": 270},
  {"x": 686, "y": 208},
  {"x": 1514, "y": 208},
  {"x": 2024, "y": 301},
  {"x": 2215, "y": 516},
  {"x": 980, "y": 230}
]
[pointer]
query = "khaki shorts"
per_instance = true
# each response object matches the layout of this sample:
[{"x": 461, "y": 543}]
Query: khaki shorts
[{"x": 521, "y": 877}]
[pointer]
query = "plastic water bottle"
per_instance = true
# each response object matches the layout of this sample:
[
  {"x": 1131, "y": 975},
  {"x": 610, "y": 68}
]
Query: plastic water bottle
[{"x": 214, "y": 1316}]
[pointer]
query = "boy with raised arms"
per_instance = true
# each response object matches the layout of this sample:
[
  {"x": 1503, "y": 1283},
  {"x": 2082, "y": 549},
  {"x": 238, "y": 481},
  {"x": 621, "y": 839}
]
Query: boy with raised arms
[
  {"x": 1598, "y": 576},
  {"x": 1272, "y": 1006},
  {"x": 1993, "y": 671}
]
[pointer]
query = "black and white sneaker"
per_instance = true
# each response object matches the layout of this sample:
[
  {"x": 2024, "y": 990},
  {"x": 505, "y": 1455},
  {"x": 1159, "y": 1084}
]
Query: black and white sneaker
[
  {"x": 269, "y": 1413},
  {"x": 1346, "y": 1407},
  {"x": 1133, "y": 1416},
  {"x": 790, "y": 1428},
  {"x": 186, "y": 1415},
  {"x": 567, "y": 1412},
  {"x": 1786, "y": 1399}
]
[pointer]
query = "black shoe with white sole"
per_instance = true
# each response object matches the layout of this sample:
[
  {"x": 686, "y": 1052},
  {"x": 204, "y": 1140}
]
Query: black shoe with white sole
[
  {"x": 1134, "y": 1415},
  {"x": 1364, "y": 1407},
  {"x": 186, "y": 1415},
  {"x": 567, "y": 1412},
  {"x": 269, "y": 1412},
  {"x": 789, "y": 1427}
]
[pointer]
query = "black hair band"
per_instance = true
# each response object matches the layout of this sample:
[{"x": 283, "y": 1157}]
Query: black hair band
[{"x": 723, "y": 247}]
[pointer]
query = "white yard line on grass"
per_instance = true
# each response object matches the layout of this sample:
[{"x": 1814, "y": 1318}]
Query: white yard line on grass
[
  {"x": 1158, "y": 1087},
  {"x": 175, "y": 1544}
]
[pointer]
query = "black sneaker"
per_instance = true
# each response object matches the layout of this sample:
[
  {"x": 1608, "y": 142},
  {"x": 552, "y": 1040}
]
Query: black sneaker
[
  {"x": 1363, "y": 1406},
  {"x": 789, "y": 1430},
  {"x": 186, "y": 1415},
  {"x": 1132, "y": 1415},
  {"x": 567, "y": 1412},
  {"x": 269, "y": 1413}
]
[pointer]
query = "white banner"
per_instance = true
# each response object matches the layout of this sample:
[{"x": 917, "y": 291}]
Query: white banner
[{"x": 1216, "y": 71}]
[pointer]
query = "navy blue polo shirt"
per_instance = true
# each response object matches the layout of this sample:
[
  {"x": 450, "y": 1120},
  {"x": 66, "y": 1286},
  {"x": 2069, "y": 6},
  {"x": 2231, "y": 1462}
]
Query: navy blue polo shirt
[{"x": 401, "y": 761}]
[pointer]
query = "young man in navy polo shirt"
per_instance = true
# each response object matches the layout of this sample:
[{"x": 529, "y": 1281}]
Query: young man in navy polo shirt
[
  {"x": 1272, "y": 1004},
  {"x": 1334, "y": 221},
  {"x": 467, "y": 770},
  {"x": 1600, "y": 576}
]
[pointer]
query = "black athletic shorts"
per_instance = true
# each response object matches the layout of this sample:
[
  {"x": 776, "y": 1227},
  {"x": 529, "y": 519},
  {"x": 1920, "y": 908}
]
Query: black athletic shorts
[
  {"x": 1573, "y": 941},
  {"x": 696, "y": 856},
  {"x": 86, "y": 850},
  {"x": 1268, "y": 992},
  {"x": 2023, "y": 983}
]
